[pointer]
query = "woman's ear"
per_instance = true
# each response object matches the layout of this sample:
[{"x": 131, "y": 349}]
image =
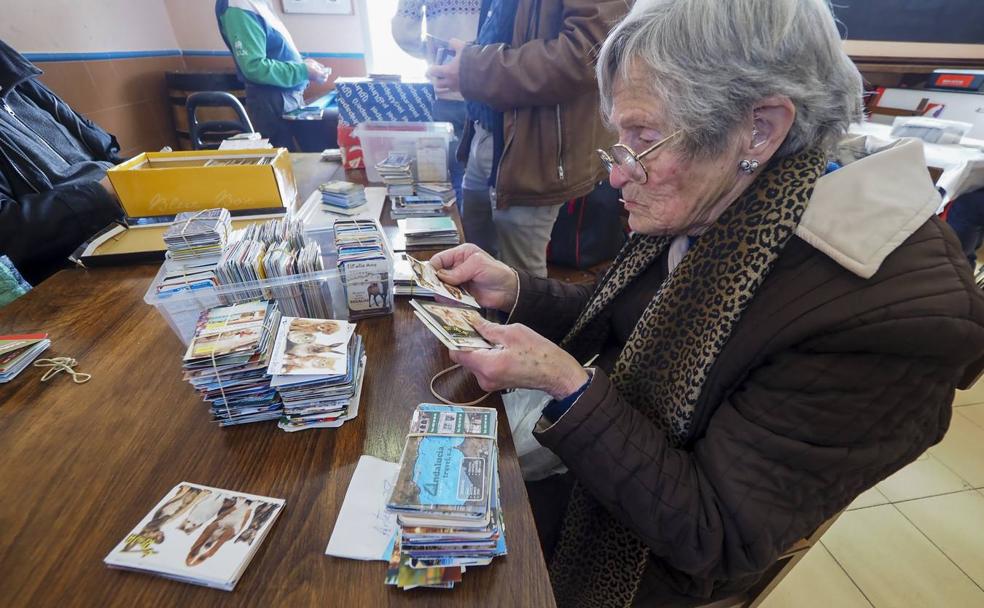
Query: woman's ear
[{"x": 772, "y": 118}]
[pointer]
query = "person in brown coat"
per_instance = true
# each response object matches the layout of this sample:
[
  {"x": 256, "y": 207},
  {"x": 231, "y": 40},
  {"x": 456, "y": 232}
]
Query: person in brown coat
[
  {"x": 533, "y": 119},
  {"x": 774, "y": 339}
]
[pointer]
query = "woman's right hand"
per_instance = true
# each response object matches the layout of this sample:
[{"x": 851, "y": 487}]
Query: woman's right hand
[{"x": 493, "y": 284}]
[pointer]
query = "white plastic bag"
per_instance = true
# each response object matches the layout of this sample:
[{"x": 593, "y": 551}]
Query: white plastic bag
[{"x": 523, "y": 409}]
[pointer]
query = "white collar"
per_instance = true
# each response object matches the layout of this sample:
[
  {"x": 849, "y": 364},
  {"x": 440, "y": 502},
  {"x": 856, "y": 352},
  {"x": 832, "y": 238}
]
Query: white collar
[{"x": 862, "y": 212}]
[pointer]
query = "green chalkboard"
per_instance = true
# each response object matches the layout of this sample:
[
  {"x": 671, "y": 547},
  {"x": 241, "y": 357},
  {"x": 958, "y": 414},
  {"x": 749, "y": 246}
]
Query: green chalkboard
[{"x": 940, "y": 21}]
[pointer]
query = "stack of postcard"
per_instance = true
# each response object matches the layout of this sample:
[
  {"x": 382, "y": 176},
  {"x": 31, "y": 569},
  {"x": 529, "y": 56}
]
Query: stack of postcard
[
  {"x": 227, "y": 362},
  {"x": 199, "y": 535},
  {"x": 429, "y": 232},
  {"x": 444, "y": 190},
  {"x": 446, "y": 497},
  {"x": 195, "y": 242},
  {"x": 453, "y": 324},
  {"x": 404, "y": 278},
  {"x": 365, "y": 266},
  {"x": 396, "y": 170},
  {"x": 421, "y": 205},
  {"x": 17, "y": 351},
  {"x": 345, "y": 198},
  {"x": 277, "y": 249},
  {"x": 317, "y": 367}
]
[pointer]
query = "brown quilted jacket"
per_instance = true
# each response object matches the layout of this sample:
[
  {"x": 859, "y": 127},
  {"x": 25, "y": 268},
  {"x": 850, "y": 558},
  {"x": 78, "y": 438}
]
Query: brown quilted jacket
[
  {"x": 544, "y": 83},
  {"x": 829, "y": 384}
]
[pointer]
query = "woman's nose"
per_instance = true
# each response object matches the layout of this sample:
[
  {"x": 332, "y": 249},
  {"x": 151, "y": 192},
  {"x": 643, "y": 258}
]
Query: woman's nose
[{"x": 617, "y": 177}]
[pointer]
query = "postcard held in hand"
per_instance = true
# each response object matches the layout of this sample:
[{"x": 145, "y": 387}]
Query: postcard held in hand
[{"x": 425, "y": 276}]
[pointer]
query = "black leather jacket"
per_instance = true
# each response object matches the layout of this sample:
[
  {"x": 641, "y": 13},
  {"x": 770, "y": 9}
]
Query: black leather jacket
[{"x": 41, "y": 223}]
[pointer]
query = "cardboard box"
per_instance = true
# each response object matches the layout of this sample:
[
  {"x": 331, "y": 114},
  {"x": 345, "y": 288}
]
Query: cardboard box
[
  {"x": 363, "y": 99},
  {"x": 167, "y": 183}
]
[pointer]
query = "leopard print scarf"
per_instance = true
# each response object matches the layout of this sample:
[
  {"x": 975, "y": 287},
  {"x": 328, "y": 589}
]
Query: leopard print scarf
[{"x": 662, "y": 368}]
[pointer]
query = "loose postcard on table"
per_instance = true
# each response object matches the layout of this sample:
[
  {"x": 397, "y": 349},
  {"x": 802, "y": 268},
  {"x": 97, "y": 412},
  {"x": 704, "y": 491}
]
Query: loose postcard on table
[{"x": 365, "y": 529}]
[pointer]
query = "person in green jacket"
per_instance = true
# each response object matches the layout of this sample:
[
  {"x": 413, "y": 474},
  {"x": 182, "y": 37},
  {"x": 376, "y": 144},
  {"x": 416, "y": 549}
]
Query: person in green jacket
[{"x": 268, "y": 62}]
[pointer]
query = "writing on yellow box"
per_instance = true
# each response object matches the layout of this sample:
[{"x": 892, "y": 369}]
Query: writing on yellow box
[{"x": 167, "y": 183}]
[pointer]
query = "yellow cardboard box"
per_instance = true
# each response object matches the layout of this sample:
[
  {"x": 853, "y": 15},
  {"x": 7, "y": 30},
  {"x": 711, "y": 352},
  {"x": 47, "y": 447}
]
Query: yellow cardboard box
[{"x": 167, "y": 183}]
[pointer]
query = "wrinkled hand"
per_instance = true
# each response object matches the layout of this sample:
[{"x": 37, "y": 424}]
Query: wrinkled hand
[
  {"x": 493, "y": 284},
  {"x": 525, "y": 359},
  {"x": 445, "y": 78}
]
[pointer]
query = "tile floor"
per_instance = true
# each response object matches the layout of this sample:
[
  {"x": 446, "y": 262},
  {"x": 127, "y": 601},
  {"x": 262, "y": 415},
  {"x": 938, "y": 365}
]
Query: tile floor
[{"x": 914, "y": 540}]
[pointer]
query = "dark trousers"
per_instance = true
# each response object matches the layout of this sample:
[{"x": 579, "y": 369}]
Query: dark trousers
[
  {"x": 966, "y": 217},
  {"x": 266, "y": 109}
]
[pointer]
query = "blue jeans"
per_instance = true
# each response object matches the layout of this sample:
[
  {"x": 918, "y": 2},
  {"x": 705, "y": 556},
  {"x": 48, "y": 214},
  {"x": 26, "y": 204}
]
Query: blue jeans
[
  {"x": 966, "y": 217},
  {"x": 452, "y": 111}
]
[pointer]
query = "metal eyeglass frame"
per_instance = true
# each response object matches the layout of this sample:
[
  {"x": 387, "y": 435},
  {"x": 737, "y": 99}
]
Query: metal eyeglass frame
[{"x": 608, "y": 157}]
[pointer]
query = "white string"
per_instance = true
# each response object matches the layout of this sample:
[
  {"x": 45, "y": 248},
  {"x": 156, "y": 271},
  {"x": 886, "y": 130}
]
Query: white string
[
  {"x": 62, "y": 364},
  {"x": 447, "y": 401}
]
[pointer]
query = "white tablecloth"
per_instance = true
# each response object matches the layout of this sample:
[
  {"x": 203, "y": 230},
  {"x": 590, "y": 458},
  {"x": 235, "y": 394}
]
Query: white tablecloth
[{"x": 962, "y": 165}]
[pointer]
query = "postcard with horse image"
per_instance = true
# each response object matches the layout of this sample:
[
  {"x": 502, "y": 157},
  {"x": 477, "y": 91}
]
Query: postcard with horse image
[
  {"x": 199, "y": 535},
  {"x": 425, "y": 276},
  {"x": 311, "y": 347}
]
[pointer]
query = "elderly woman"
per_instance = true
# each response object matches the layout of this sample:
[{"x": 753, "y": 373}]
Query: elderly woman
[{"x": 773, "y": 340}]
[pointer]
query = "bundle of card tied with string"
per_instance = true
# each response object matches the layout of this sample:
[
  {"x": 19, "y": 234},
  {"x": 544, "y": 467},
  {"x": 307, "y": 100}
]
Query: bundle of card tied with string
[
  {"x": 366, "y": 267},
  {"x": 419, "y": 205},
  {"x": 195, "y": 241},
  {"x": 227, "y": 361},
  {"x": 446, "y": 497},
  {"x": 317, "y": 367},
  {"x": 396, "y": 171},
  {"x": 345, "y": 198},
  {"x": 277, "y": 251}
]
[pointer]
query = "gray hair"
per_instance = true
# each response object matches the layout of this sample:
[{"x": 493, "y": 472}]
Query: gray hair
[{"x": 708, "y": 62}]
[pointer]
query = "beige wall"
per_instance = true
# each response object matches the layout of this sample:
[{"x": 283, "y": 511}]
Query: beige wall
[
  {"x": 195, "y": 28},
  {"x": 86, "y": 26}
]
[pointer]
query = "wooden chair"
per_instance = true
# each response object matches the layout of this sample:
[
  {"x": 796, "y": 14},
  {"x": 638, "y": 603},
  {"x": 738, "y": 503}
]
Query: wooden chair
[{"x": 774, "y": 575}]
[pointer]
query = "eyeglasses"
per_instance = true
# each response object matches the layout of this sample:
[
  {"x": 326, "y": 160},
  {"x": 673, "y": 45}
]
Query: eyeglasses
[{"x": 629, "y": 162}]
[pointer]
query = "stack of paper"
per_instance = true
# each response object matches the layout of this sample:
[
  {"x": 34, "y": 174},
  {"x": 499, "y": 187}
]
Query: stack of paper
[
  {"x": 429, "y": 232},
  {"x": 199, "y": 535},
  {"x": 446, "y": 497},
  {"x": 317, "y": 367},
  {"x": 17, "y": 351},
  {"x": 195, "y": 242},
  {"x": 454, "y": 326},
  {"x": 404, "y": 281},
  {"x": 345, "y": 198},
  {"x": 416, "y": 206},
  {"x": 444, "y": 190},
  {"x": 397, "y": 173},
  {"x": 365, "y": 266},
  {"x": 227, "y": 362}
]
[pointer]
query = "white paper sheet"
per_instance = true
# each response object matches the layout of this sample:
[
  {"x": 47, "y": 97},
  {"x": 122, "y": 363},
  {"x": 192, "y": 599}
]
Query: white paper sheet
[{"x": 365, "y": 529}]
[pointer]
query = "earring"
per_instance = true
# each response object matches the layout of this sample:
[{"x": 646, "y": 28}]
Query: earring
[{"x": 748, "y": 166}]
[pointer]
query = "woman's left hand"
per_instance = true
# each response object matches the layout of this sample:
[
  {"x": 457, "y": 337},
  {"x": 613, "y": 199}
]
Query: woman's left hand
[{"x": 524, "y": 359}]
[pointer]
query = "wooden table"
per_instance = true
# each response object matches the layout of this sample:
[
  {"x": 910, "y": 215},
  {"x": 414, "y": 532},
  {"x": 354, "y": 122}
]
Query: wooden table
[{"x": 80, "y": 465}]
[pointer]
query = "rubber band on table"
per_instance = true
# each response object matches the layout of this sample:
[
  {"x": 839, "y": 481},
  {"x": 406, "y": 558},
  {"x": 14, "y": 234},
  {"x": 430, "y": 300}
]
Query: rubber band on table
[{"x": 448, "y": 401}]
